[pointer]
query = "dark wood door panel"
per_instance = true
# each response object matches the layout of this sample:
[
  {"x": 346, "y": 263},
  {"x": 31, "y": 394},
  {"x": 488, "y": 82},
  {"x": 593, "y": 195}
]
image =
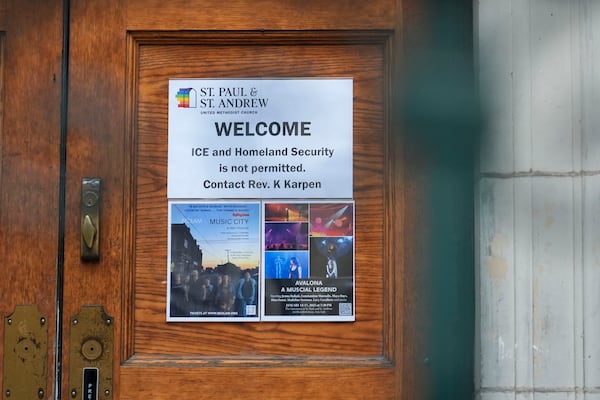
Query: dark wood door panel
[
  {"x": 325, "y": 382},
  {"x": 122, "y": 54},
  {"x": 30, "y": 136},
  {"x": 261, "y": 15},
  {"x": 363, "y": 58}
]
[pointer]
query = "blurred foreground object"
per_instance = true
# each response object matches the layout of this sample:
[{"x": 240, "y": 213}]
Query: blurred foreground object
[{"x": 441, "y": 121}]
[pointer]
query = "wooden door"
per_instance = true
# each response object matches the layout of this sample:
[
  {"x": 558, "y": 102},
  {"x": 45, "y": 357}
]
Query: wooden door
[
  {"x": 121, "y": 55},
  {"x": 30, "y": 136}
]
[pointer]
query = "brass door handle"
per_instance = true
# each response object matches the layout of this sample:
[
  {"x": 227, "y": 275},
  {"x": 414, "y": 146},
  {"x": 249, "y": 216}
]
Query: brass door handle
[{"x": 91, "y": 196}]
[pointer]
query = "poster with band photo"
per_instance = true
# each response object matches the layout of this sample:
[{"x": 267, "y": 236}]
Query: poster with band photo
[
  {"x": 214, "y": 258},
  {"x": 308, "y": 261}
]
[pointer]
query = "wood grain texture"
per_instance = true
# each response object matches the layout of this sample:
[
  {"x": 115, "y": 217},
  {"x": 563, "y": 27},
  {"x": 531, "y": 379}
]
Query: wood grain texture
[
  {"x": 30, "y": 49},
  {"x": 158, "y": 63},
  {"x": 3, "y": 15},
  {"x": 121, "y": 53},
  {"x": 264, "y": 343},
  {"x": 283, "y": 383},
  {"x": 95, "y": 148},
  {"x": 118, "y": 130},
  {"x": 262, "y": 15}
]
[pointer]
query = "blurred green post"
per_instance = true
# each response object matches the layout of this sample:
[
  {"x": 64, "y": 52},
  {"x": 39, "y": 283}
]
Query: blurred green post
[{"x": 441, "y": 119}]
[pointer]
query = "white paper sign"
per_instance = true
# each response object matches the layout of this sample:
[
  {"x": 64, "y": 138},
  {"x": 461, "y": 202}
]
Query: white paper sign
[{"x": 260, "y": 138}]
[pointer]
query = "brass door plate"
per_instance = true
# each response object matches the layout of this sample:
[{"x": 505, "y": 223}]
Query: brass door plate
[
  {"x": 91, "y": 350},
  {"x": 25, "y": 354}
]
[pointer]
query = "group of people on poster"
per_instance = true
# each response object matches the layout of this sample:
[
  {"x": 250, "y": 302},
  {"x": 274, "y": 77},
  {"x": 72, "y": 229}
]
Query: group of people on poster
[
  {"x": 308, "y": 244},
  {"x": 233, "y": 159},
  {"x": 197, "y": 294}
]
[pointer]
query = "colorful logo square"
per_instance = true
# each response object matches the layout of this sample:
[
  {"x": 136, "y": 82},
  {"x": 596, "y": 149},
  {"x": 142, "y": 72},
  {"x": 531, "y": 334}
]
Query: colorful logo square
[{"x": 186, "y": 98}]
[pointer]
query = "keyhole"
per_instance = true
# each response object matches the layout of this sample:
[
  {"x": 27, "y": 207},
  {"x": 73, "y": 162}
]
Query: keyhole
[{"x": 91, "y": 349}]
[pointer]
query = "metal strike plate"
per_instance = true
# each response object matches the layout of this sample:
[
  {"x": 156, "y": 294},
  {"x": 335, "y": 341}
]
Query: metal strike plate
[
  {"x": 91, "y": 354},
  {"x": 91, "y": 196},
  {"x": 25, "y": 354}
]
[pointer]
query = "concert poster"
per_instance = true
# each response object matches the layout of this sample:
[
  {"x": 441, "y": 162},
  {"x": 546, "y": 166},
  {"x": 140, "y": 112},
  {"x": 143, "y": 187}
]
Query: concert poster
[
  {"x": 308, "y": 261},
  {"x": 213, "y": 261}
]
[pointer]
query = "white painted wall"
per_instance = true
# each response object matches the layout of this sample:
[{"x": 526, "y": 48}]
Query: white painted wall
[{"x": 539, "y": 200}]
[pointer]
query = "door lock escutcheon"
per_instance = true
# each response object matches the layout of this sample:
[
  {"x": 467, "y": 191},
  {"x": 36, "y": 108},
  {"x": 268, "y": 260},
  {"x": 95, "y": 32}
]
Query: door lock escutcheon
[
  {"x": 91, "y": 354},
  {"x": 91, "y": 196},
  {"x": 25, "y": 354}
]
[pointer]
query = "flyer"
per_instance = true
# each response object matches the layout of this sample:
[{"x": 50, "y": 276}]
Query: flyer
[
  {"x": 248, "y": 239},
  {"x": 214, "y": 261},
  {"x": 308, "y": 261}
]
